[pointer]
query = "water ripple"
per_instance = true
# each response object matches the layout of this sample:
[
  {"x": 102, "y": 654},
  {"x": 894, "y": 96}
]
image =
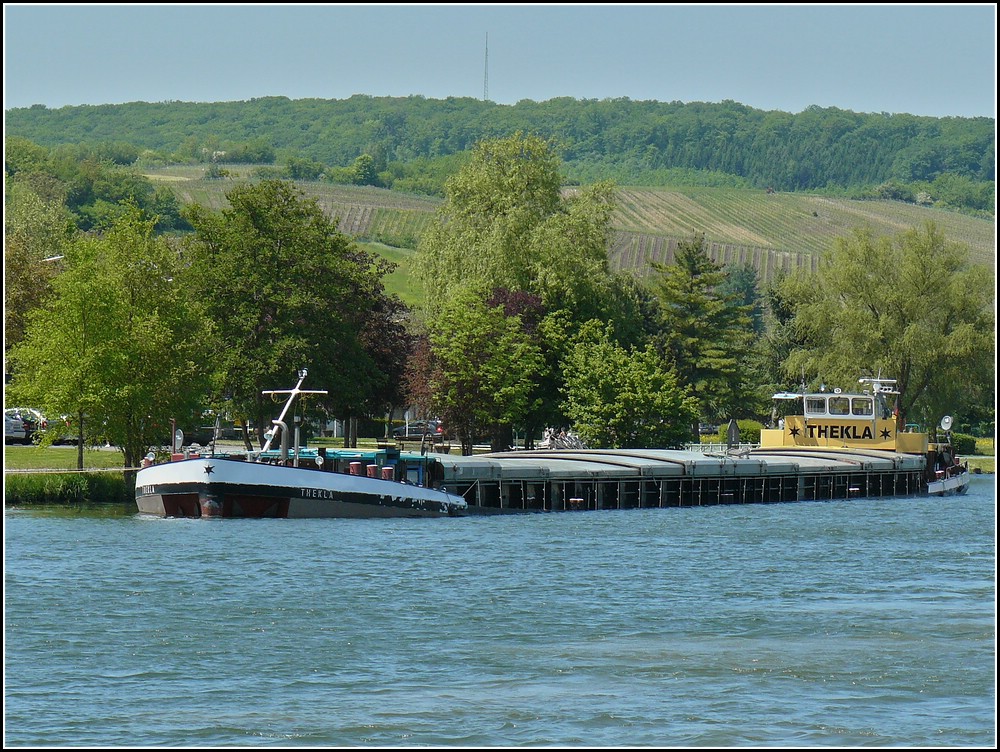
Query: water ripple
[{"x": 855, "y": 623}]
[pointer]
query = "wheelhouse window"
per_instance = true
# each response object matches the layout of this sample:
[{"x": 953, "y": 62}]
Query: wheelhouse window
[
  {"x": 862, "y": 406},
  {"x": 815, "y": 406},
  {"x": 840, "y": 406}
]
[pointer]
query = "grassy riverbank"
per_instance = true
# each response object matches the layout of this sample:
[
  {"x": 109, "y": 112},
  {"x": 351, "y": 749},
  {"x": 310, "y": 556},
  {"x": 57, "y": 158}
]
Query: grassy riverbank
[
  {"x": 984, "y": 460},
  {"x": 18, "y": 457},
  {"x": 48, "y": 475}
]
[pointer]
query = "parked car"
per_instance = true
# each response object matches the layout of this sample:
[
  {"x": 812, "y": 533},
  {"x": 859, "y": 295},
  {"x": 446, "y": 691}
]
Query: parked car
[
  {"x": 65, "y": 430},
  {"x": 420, "y": 429},
  {"x": 204, "y": 435},
  {"x": 31, "y": 419},
  {"x": 13, "y": 429}
]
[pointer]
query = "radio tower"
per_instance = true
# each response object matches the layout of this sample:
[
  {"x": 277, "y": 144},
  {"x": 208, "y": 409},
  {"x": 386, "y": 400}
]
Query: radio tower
[{"x": 486, "y": 71}]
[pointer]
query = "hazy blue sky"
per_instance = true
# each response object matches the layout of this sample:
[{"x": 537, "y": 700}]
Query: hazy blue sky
[{"x": 936, "y": 60}]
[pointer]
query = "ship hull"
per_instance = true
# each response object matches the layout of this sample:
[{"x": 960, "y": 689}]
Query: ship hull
[
  {"x": 953, "y": 485},
  {"x": 226, "y": 488}
]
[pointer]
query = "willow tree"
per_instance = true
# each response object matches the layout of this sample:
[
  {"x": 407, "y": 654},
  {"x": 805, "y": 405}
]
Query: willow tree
[
  {"x": 911, "y": 307},
  {"x": 493, "y": 205},
  {"x": 119, "y": 344}
]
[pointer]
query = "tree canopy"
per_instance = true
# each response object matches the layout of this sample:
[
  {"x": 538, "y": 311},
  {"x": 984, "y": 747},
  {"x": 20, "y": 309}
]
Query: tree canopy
[
  {"x": 630, "y": 142},
  {"x": 288, "y": 290},
  {"x": 485, "y": 369},
  {"x": 506, "y": 225},
  {"x": 508, "y": 237},
  {"x": 704, "y": 330},
  {"x": 492, "y": 207},
  {"x": 526, "y": 324},
  {"x": 93, "y": 182},
  {"x": 618, "y": 397},
  {"x": 36, "y": 228},
  {"x": 119, "y": 345}
]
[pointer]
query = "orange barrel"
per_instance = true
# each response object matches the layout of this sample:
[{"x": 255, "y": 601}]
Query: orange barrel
[
  {"x": 388, "y": 473},
  {"x": 355, "y": 468},
  {"x": 373, "y": 471}
]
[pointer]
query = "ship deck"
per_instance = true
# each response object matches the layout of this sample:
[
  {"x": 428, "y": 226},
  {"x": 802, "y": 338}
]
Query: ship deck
[{"x": 558, "y": 480}]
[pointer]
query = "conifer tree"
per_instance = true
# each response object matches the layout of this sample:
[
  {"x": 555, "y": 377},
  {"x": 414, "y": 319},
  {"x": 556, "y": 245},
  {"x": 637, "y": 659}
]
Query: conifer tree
[{"x": 704, "y": 332}]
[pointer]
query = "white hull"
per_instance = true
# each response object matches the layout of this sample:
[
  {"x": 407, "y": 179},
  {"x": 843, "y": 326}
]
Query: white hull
[
  {"x": 953, "y": 485},
  {"x": 229, "y": 488}
]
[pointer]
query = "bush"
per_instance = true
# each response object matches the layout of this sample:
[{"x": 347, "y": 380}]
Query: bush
[
  {"x": 963, "y": 443},
  {"x": 749, "y": 432}
]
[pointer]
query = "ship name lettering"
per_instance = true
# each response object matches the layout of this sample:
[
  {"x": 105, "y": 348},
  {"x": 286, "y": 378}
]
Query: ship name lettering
[
  {"x": 840, "y": 432},
  {"x": 316, "y": 493}
]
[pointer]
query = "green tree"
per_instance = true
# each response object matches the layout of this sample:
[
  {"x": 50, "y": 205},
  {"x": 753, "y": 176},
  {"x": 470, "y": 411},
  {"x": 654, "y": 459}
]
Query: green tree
[
  {"x": 22, "y": 156},
  {"x": 632, "y": 142},
  {"x": 704, "y": 331},
  {"x": 770, "y": 350},
  {"x": 484, "y": 369},
  {"x": 567, "y": 257},
  {"x": 506, "y": 228},
  {"x": 386, "y": 340},
  {"x": 911, "y": 307},
  {"x": 618, "y": 397},
  {"x": 363, "y": 171},
  {"x": 215, "y": 172},
  {"x": 35, "y": 229},
  {"x": 493, "y": 205},
  {"x": 287, "y": 289},
  {"x": 303, "y": 169},
  {"x": 119, "y": 345},
  {"x": 740, "y": 283}
]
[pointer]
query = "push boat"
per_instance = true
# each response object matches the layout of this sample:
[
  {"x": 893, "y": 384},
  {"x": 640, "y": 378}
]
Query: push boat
[
  {"x": 295, "y": 483},
  {"x": 865, "y": 421}
]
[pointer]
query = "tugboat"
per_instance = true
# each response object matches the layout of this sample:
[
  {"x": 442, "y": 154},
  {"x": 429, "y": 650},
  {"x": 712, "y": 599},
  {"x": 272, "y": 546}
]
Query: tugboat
[
  {"x": 866, "y": 420},
  {"x": 299, "y": 482}
]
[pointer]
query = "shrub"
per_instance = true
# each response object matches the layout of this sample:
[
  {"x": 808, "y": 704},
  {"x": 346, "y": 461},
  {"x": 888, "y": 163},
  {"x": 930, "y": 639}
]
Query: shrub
[
  {"x": 963, "y": 443},
  {"x": 749, "y": 432}
]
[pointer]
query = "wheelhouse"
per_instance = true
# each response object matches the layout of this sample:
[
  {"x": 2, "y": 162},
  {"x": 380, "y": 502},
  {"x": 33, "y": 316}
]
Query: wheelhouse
[{"x": 862, "y": 419}]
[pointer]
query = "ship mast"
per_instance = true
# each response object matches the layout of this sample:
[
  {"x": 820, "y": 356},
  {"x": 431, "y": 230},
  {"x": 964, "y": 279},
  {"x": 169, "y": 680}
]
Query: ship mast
[{"x": 292, "y": 394}]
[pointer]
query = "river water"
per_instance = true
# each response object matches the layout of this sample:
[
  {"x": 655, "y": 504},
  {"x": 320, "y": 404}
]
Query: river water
[{"x": 868, "y": 622}]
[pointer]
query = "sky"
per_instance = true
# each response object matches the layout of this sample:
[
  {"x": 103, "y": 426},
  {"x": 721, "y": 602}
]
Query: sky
[{"x": 924, "y": 59}]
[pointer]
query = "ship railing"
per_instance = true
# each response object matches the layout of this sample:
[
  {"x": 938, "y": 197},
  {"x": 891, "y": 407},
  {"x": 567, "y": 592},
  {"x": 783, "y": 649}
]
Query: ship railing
[{"x": 719, "y": 448}]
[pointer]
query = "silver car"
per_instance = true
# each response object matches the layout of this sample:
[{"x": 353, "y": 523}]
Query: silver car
[
  {"x": 13, "y": 429},
  {"x": 31, "y": 419}
]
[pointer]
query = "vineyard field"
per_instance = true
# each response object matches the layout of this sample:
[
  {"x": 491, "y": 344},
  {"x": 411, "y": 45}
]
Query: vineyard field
[{"x": 771, "y": 231}]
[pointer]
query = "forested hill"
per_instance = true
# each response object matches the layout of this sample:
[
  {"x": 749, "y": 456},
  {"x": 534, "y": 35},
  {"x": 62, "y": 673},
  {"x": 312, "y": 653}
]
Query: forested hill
[{"x": 632, "y": 142}]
